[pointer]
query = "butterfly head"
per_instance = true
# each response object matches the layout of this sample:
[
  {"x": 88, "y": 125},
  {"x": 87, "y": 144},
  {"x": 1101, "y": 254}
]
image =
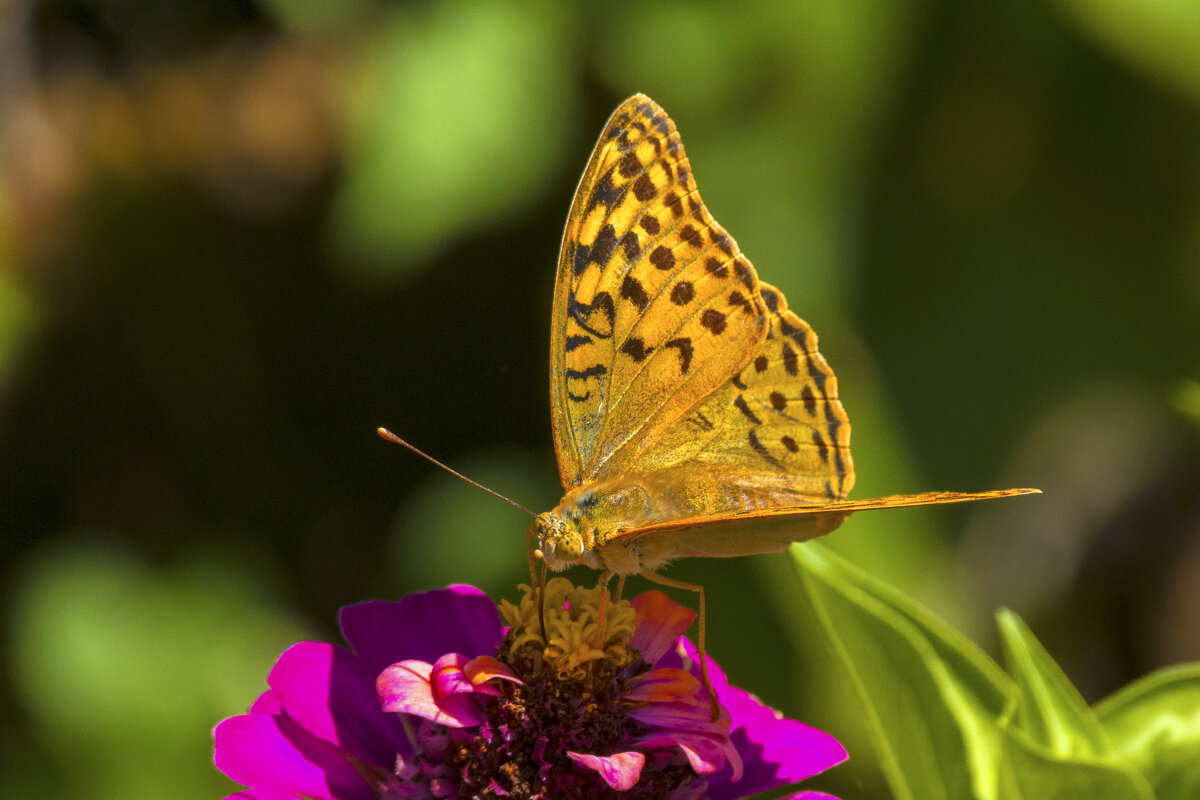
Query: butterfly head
[{"x": 562, "y": 541}]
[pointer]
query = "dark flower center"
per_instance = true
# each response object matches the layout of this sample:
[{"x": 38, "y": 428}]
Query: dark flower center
[{"x": 520, "y": 751}]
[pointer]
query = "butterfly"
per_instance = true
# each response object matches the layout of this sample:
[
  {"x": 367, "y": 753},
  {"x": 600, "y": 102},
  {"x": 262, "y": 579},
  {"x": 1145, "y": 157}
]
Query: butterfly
[{"x": 693, "y": 414}]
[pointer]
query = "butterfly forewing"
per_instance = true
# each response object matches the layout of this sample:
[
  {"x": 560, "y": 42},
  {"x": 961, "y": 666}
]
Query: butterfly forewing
[{"x": 666, "y": 348}]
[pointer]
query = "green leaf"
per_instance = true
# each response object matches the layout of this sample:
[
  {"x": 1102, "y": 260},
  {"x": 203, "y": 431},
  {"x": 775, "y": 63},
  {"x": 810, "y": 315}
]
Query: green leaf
[
  {"x": 932, "y": 697},
  {"x": 1051, "y": 711},
  {"x": 1030, "y": 772},
  {"x": 1154, "y": 723}
]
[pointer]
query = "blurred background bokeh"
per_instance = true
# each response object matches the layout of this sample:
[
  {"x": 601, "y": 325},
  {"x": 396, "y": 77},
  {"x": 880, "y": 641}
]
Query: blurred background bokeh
[{"x": 235, "y": 237}]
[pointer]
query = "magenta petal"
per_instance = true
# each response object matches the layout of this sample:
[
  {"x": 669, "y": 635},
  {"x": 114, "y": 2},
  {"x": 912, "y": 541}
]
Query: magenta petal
[
  {"x": 267, "y": 703},
  {"x": 777, "y": 751},
  {"x": 660, "y": 623},
  {"x": 273, "y": 753},
  {"x": 327, "y": 690},
  {"x": 407, "y": 687},
  {"x": 459, "y": 619},
  {"x": 808, "y": 796},
  {"x": 264, "y": 794},
  {"x": 620, "y": 770}
]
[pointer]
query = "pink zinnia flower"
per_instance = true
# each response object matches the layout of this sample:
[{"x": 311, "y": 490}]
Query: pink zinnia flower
[{"x": 435, "y": 701}]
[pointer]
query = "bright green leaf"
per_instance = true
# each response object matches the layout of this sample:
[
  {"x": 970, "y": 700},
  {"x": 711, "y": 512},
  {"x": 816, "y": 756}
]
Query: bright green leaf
[
  {"x": 932, "y": 697},
  {"x": 1030, "y": 772},
  {"x": 1051, "y": 711},
  {"x": 1154, "y": 723}
]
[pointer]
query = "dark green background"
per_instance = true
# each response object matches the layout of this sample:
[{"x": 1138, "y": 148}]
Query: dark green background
[{"x": 236, "y": 237}]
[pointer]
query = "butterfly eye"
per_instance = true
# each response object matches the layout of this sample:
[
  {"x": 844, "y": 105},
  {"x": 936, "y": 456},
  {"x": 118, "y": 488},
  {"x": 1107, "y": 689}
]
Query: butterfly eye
[{"x": 568, "y": 548}]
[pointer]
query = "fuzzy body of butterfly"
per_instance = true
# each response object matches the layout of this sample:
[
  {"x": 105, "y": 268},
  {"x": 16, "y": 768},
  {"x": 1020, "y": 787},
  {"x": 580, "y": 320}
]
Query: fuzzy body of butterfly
[{"x": 693, "y": 414}]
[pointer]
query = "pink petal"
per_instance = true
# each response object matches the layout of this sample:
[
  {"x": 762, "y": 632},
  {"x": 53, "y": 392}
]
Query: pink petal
[
  {"x": 660, "y": 622},
  {"x": 275, "y": 754},
  {"x": 407, "y": 687},
  {"x": 808, "y": 796},
  {"x": 485, "y": 668},
  {"x": 620, "y": 770},
  {"x": 447, "y": 676},
  {"x": 665, "y": 685},
  {"x": 707, "y": 753},
  {"x": 459, "y": 619}
]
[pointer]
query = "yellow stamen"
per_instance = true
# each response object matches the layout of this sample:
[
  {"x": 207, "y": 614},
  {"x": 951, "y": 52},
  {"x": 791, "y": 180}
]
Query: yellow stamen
[{"x": 572, "y": 645}]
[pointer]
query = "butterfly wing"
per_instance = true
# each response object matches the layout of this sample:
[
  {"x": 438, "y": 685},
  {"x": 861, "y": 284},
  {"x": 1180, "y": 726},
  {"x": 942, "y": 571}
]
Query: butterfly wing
[
  {"x": 769, "y": 530},
  {"x": 666, "y": 349}
]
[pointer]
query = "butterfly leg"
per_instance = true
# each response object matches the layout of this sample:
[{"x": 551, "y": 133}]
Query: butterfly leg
[
  {"x": 654, "y": 577},
  {"x": 535, "y": 585},
  {"x": 620, "y": 588},
  {"x": 601, "y": 610}
]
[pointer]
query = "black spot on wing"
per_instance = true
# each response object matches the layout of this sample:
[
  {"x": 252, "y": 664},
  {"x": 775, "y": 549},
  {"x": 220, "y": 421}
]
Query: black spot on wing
[
  {"x": 631, "y": 246},
  {"x": 822, "y": 447},
  {"x": 744, "y": 272},
  {"x": 817, "y": 375},
  {"x": 713, "y": 320},
  {"x": 682, "y": 293},
  {"x": 594, "y": 371},
  {"x": 758, "y": 447},
  {"x": 674, "y": 202},
  {"x": 722, "y": 240},
  {"x": 632, "y": 291},
  {"x": 597, "y": 317},
  {"x": 797, "y": 335},
  {"x": 636, "y": 349},
  {"x": 606, "y": 242},
  {"x": 741, "y": 406},
  {"x": 583, "y": 375},
  {"x": 810, "y": 400},
  {"x": 643, "y": 188},
  {"x": 581, "y": 258},
  {"x": 629, "y": 165},
  {"x": 684, "y": 345},
  {"x": 790, "y": 362},
  {"x": 576, "y": 341},
  {"x": 604, "y": 193},
  {"x": 663, "y": 258}
]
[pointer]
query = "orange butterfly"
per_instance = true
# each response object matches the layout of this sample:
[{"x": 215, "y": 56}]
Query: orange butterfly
[{"x": 692, "y": 412}]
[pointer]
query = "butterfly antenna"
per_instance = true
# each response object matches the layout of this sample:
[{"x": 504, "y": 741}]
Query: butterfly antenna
[{"x": 391, "y": 437}]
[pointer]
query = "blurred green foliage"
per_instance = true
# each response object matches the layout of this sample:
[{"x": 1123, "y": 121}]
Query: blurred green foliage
[{"x": 236, "y": 237}]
